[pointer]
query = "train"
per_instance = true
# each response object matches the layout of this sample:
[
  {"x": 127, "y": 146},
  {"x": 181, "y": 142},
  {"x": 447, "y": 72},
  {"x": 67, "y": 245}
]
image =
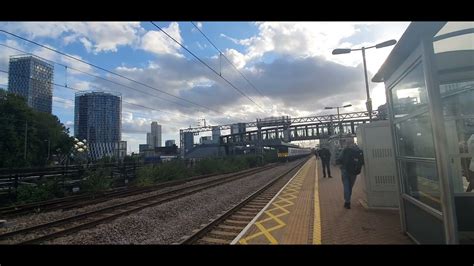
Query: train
[{"x": 291, "y": 153}]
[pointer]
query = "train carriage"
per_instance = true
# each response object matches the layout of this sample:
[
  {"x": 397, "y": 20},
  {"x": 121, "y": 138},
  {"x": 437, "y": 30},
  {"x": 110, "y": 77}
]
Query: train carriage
[{"x": 291, "y": 153}]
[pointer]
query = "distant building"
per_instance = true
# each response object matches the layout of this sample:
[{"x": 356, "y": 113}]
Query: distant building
[
  {"x": 143, "y": 147},
  {"x": 31, "y": 78},
  {"x": 205, "y": 140},
  {"x": 188, "y": 143},
  {"x": 149, "y": 140},
  {"x": 170, "y": 143},
  {"x": 158, "y": 154},
  {"x": 216, "y": 133},
  {"x": 238, "y": 128},
  {"x": 154, "y": 137},
  {"x": 98, "y": 119}
]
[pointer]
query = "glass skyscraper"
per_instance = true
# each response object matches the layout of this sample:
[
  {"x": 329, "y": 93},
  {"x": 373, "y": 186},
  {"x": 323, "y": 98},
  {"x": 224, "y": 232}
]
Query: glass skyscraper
[
  {"x": 98, "y": 119},
  {"x": 31, "y": 78}
]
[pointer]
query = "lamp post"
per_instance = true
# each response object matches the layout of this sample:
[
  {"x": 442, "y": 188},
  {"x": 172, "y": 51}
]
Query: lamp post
[
  {"x": 338, "y": 118},
  {"x": 346, "y": 51}
]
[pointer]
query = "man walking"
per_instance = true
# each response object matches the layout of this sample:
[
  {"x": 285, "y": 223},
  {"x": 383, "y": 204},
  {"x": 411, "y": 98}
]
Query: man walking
[
  {"x": 351, "y": 160},
  {"x": 325, "y": 156}
]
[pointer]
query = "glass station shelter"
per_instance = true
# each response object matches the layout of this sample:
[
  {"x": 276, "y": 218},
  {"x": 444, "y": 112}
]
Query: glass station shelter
[{"x": 429, "y": 83}]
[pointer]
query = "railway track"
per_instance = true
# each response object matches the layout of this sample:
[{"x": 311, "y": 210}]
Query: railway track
[
  {"x": 227, "y": 226},
  {"x": 43, "y": 232},
  {"x": 89, "y": 199}
]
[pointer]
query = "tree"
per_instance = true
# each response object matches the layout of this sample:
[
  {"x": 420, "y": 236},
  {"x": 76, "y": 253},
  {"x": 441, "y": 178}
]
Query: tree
[{"x": 44, "y": 132}]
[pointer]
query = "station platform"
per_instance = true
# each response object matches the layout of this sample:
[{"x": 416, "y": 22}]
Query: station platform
[{"x": 309, "y": 210}]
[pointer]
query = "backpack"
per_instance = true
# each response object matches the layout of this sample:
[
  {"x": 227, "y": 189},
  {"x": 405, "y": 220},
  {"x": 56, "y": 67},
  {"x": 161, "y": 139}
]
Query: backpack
[{"x": 354, "y": 161}]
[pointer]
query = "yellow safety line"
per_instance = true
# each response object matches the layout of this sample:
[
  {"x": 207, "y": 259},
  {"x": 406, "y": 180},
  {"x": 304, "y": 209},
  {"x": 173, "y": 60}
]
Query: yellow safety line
[
  {"x": 317, "y": 211},
  {"x": 252, "y": 223},
  {"x": 286, "y": 197}
]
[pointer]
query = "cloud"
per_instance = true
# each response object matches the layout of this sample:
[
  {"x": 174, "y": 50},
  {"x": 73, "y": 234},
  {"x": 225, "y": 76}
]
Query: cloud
[
  {"x": 157, "y": 42},
  {"x": 64, "y": 103},
  {"x": 237, "y": 59},
  {"x": 234, "y": 40},
  {"x": 45, "y": 54},
  {"x": 290, "y": 63},
  {"x": 201, "y": 46},
  {"x": 292, "y": 86},
  {"x": 308, "y": 39},
  {"x": 95, "y": 36},
  {"x": 61, "y": 59}
]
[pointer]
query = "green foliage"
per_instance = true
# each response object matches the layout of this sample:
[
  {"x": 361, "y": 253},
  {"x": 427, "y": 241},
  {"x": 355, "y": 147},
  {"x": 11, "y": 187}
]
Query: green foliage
[
  {"x": 97, "y": 180},
  {"x": 172, "y": 170},
  {"x": 43, "y": 131},
  {"x": 131, "y": 159},
  {"x": 145, "y": 176},
  {"x": 175, "y": 170},
  {"x": 43, "y": 191},
  {"x": 106, "y": 160},
  {"x": 270, "y": 156}
]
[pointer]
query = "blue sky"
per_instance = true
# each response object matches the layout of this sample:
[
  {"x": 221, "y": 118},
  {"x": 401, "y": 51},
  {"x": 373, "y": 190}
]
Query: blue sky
[{"x": 290, "y": 63}]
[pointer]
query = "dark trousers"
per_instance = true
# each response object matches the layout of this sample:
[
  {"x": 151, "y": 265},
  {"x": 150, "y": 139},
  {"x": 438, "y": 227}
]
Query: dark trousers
[
  {"x": 348, "y": 181},
  {"x": 326, "y": 167}
]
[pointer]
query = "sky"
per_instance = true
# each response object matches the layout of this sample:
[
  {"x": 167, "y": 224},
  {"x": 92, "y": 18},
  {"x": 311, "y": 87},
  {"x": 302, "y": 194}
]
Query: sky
[{"x": 289, "y": 64}]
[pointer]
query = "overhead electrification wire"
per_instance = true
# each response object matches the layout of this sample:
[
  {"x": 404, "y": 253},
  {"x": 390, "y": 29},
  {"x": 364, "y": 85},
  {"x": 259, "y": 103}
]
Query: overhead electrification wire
[
  {"x": 105, "y": 70},
  {"x": 222, "y": 54},
  {"x": 71, "y": 88},
  {"x": 92, "y": 75},
  {"x": 204, "y": 63}
]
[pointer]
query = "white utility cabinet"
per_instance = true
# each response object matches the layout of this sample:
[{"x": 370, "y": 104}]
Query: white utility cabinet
[{"x": 381, "y": 182}]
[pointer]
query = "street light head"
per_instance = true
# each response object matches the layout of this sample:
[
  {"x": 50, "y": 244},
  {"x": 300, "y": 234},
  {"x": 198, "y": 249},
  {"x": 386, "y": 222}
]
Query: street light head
[
  {"x": 385, "y": 44},
  {"x": 327, "y": 107},
  {"x": 341, "y": 51},
  {"x": 347, "y": 105}
]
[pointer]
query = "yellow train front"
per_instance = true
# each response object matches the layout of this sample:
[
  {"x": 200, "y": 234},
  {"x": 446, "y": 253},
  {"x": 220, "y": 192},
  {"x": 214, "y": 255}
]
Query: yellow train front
[{"x": 286, "y": 153}]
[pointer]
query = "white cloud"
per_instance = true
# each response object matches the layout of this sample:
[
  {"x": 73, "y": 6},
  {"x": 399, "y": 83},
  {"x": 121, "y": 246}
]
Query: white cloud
[
  {"x": 87, "y": 44},
  {"x": 45, "y": 54},
  {"x": 80, "y": 85},
  {"x": 95, "y": 36},
  {"x": 36, "y": 29},
  {"x": 237, "y": 59},
  {"x": 157, "y": 42},
  {"x": 63, "y": 103},
  {"x": 309, "y": 39},
  {"x": 236, "y": 41}
]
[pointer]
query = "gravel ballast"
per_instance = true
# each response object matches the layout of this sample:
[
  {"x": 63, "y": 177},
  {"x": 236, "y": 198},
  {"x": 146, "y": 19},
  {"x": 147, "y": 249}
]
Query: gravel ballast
[{"x": 169, "y": 222}]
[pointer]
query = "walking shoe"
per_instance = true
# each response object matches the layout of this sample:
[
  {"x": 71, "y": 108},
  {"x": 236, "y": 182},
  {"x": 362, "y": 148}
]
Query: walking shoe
[
  {"x": 330, "y": 176},
  {"x": 347, "y": 205}
]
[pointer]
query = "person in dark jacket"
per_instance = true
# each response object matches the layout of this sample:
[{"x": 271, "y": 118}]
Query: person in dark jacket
[
  {"x": 350, "y": 160},
  {"x": 325, "y": 156}
]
